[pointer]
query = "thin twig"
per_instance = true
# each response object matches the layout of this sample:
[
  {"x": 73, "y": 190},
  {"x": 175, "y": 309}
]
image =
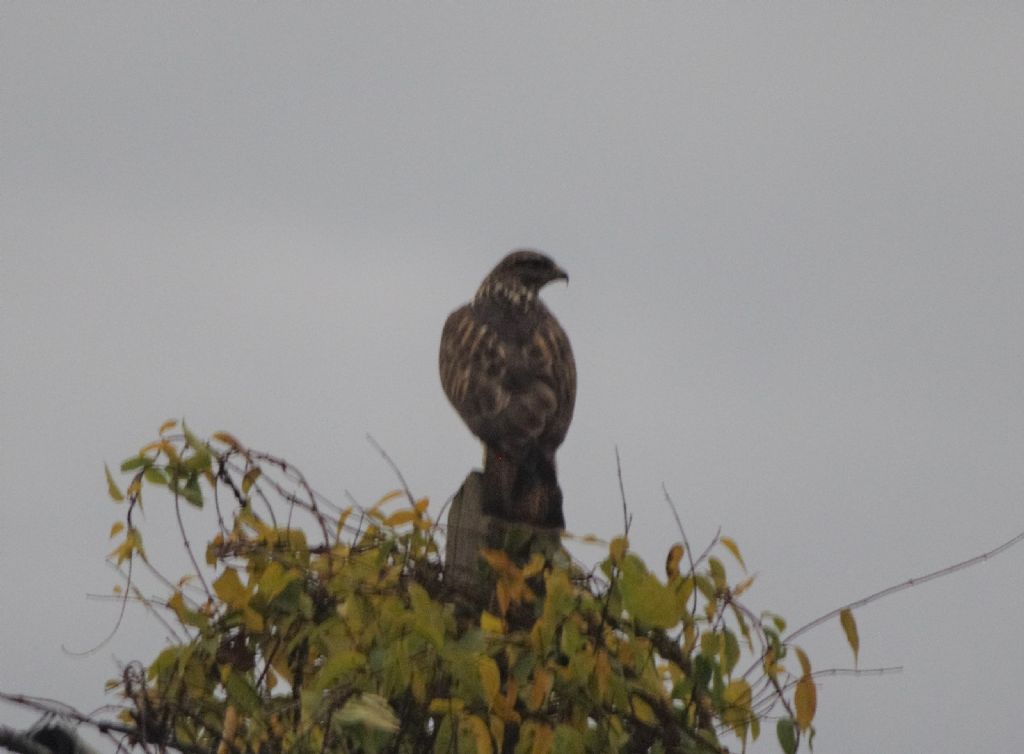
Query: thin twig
[
  {"x": 686, "y": 542},
  {"x": 188, "y": 546},
  {"x": 117, "y": 623},
  {"x": 394, "y": 468},
  {"x": 627, "y": 519}
]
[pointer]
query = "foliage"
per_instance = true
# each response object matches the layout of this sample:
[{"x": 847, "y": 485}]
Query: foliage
[{"x": 353, "y": 643}]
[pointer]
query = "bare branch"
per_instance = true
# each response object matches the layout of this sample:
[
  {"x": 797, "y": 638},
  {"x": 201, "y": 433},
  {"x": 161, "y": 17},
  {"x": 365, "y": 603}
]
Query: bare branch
[{"x": 917, "y": 581}]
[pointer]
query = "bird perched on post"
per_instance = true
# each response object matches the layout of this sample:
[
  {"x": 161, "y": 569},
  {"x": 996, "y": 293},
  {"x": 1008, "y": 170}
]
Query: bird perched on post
[{"x": 507, "y": 368}]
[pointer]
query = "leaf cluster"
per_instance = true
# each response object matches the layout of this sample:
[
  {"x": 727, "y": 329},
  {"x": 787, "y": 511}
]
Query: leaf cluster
[{"x": 352, "y": 642}]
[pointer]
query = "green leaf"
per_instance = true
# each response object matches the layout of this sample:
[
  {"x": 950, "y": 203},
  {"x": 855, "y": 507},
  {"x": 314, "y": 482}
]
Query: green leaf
[
  {"x": 370, "y": 711},
  {"x": 785, "y": 729},
  {"x": 191, "y": 492},
  {"x": 275, "y": 579},
  {"x": 164, "y": 661},
  {"x": 115, "y": 494},
  {"x": 850, "y": 629},
  {"x": 191, "y": 439},
  {"x": 135, "y": 462},
  {"x": 428, "y": 616},
  {"x": 241, "y": 693},
  {"x": 730, "y": 651},
  {"x": 702, "y": 671},
  {"x": 339, "y": 666},
  {"x": 568, "y": 740},
  {"x": 650, "y": 602},
  {"x": 155, "y": 475},
  {"x": 718, "y": 574}
]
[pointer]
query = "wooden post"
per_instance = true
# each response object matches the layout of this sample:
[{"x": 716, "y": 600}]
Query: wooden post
[{"x": 470, "y": 530}]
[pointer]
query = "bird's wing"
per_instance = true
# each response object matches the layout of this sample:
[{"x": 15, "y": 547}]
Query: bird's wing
[{"x": 510, "y": 393}]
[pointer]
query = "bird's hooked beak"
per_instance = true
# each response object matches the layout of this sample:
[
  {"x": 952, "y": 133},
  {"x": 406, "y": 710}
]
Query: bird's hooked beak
[{"x": 559, "y": 274}]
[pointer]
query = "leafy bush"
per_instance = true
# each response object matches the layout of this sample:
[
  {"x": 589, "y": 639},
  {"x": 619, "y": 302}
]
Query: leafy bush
[{"x": 355, "y": 643}]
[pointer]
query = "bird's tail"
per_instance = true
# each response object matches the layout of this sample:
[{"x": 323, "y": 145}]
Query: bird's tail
[{"x": 523, "y": 489}]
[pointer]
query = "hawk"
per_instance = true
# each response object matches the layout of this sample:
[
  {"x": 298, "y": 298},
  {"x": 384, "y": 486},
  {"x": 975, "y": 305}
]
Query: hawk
[{"x": 507, "y": 368}]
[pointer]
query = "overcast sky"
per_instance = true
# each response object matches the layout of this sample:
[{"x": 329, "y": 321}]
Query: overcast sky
[{"x": 795, "y": 234}]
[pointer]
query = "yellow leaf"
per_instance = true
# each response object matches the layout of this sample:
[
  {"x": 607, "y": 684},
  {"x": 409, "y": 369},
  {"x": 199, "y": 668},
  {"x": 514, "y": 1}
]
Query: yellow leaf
[
  {"x": 498, "y": 560},
  {"x": 806, "y": 701},
  {"x": 730, "y": 544},
  {"x": 737, "y": 713},
  {"x": 543, "y": 680},
  {"x": 446, "y": 706},
  {"x": 230, "y": 727},
  {"x": 169, "y": 451},
  {"x": 642, "y": 711},
  {"x": 115, "y": 493},
  {"x": 490, "y": 678},
  {"x": 535, "y": 566},
  {"x": 480, "y": 732},
  {"x": 617, "y": 549},
  {"x": 253, "y": 620},
  {"x": 116, "y": 529},
  {"x": 543, "y": 740},
  {"x": 771, "y": 668},
  {"x": 689, "y": 637},
  {"x": 155, "y": 445},
  {"x": 250, "y": 478},
  {"x": 675, "y": 555},
  {"x": 421, "y": 504},
  {"x": 398, "y": 518},
  {"x": 497, "y": 728},
  {"x": 342, "y": 518},
  {"x": 850, "y": 628},
  {"x": 228, "y": 439},
  {"x": 743, "y": 586},
  {"x": 492, "y": 624},
  {"x": 169, "y": 424},
  {"x": 387, "y": 498},
  {"x": 132, "y": 543},
  {"x": 805, "y": 663},
  {"x": 230, "y": 590}
]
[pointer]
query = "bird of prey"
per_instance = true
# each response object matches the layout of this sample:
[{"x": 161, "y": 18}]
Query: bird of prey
[{"x": 507, "y": 368}]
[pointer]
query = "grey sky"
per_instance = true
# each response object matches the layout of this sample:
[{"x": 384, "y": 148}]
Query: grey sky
[{"x": 796, "y": 241}]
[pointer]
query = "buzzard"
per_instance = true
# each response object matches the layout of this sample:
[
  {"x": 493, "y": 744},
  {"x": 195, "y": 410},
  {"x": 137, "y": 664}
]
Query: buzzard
[{"x": 507, "y": 368}]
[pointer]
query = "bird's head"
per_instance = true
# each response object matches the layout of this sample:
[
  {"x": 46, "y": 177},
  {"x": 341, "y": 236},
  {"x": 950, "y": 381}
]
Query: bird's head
[{"x": 520, "y": 275}]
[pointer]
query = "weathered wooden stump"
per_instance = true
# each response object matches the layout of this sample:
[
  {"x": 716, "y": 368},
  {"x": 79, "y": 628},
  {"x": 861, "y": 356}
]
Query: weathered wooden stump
[{"x": 468, "y": 576}]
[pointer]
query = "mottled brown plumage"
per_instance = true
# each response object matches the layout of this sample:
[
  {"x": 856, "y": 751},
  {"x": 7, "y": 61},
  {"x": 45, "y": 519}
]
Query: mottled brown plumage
[{"x": 507, "y": 367}]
